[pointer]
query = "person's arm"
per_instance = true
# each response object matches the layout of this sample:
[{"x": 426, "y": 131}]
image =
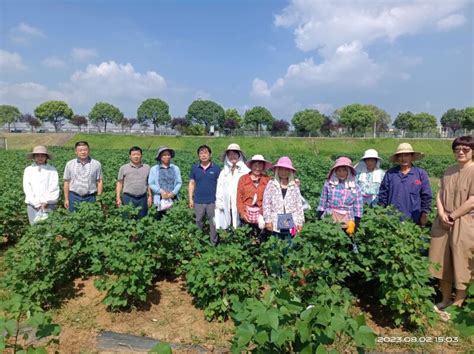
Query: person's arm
[
  {"x": 358, "y": 203},
  {"x": 299, "y": 219},
  {"x": 384, "y": 190},
  {"x": 52, "y": 192},
  {"x": 323, "y": 200},
  {"x": 118, "y": 193},
  {"x": 27, "y": 188},
  {"x": 191, "y": 187},
  {"x": 463, "y": 209},
  {"x": 267, "y": 206},
  {"x": 150, "y": 197},
  {"x": 100, "y": 186},
  {"x": 426, "y": 198},
  {"x": 178, "y": 182},
  {"x": 153, "y": 180},
  {"x": 66, "y": 193},
  {"x": 443, "y": 216},
  {"x": 220, "y": 192}
]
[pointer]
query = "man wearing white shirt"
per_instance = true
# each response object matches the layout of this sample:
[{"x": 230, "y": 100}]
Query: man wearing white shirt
[{"x": 40, "y": 184}]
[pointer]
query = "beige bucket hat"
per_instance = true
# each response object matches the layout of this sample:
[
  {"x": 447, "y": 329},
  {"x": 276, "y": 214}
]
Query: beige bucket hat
[
  {"x": 406, "y": 148},
  {"x": 40, "y": 149},
  {"x": 233, "y": 147},
  {"x": 260, "y": 158}
]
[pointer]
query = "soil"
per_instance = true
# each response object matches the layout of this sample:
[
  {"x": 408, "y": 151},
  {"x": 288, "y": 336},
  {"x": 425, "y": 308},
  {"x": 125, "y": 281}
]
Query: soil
[{"x": 169, "y": 316}]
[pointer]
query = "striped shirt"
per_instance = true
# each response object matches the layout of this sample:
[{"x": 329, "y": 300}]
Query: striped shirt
[{"x": 83, "y": 177}]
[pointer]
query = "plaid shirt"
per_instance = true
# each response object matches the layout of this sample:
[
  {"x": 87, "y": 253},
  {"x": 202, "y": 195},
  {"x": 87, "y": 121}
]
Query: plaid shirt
[{"x": 339, "y": 197}]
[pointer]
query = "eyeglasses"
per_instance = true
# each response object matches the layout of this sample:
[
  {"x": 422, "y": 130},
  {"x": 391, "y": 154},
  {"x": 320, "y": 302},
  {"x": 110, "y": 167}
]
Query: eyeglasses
[{"x": 464, "y": 150}]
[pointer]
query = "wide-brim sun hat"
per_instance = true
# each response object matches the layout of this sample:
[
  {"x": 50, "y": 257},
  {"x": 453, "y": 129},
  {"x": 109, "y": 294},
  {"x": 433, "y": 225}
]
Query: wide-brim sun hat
[
  {"x": 259, "y": 158},
  {"x": 371, "y": 154},
  {"x": 342, "y": 162},
  {"x": 40, "y": 149},
  {"x": 406, "y": 148},
  {"x": 162, "y": 149},
  {"x": 233, "y": 147},
  {"x": 284, "y": 162}
]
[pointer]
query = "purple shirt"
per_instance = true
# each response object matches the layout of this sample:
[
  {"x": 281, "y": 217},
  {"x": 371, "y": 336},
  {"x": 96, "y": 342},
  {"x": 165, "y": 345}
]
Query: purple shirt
[
  {"x": 339, "y": 197},
  {"x": 410, "y": 193}
]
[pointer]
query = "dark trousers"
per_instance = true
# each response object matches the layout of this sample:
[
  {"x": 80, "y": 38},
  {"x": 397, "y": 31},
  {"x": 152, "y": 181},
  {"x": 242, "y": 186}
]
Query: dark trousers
[
  {"x": 138, "y": 202},
  {"x": 75, "y": 199},
  {"x": 276, "y": 267},
  {"x": 202, "y": 210}
]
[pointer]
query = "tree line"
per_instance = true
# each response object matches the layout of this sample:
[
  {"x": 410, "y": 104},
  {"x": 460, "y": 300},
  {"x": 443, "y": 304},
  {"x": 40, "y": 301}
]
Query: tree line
[{"x": 204, "y": 115}]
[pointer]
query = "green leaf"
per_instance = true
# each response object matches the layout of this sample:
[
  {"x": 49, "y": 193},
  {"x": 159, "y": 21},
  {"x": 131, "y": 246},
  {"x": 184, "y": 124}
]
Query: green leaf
[
  {"x": 365, "y": 337},
  {"x": 261, "y": 338},
  {"x": 161, "y": 348},
  {"x": 321, "y": 349}
]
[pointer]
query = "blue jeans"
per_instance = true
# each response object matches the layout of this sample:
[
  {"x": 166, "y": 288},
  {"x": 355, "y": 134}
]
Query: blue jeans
[
  {"x": 138, "y": 202},
  {"x": 75, "y": 199}
]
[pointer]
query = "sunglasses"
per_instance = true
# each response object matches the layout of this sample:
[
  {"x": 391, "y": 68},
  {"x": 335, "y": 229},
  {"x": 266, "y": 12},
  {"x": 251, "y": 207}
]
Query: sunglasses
[{"x": 464, "y": 150}]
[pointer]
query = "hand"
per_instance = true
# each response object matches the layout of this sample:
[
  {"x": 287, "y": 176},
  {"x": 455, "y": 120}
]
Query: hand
[
  {"x": 164, "y": 195},
  {"x": 118, "y": 202},
  {"x": 423, "y": 219},
  {"x": 444, "y": 218},
  {"x": 191, "y": 204},
  {"x": 269, "y": 226},
  {"x": 44, "y": 206},
  {"x": 297, "y": 182},
  {"x": 66, "y": 203},
  {"x": 245, "y": 218},
  {"x": 299, "y": 227},
  {"x": 150, "y": 201}
]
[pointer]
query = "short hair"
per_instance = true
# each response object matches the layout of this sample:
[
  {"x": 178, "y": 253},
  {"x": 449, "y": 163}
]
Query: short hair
[
  {"x": 135, "y": 148},
  {"x": 81, "y": 143},
  {"x": 466, "y": 140},
  {"x": 204, "y": 147}
]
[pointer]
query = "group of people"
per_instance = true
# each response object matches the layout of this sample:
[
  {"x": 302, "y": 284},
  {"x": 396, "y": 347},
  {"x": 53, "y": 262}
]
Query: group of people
[{"x": 243, "y": 193}]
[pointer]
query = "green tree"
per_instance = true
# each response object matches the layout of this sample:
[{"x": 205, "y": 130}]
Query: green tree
[
  {"x": 206, "y": 113},
  {"x": 55, "y": 112},
  {"x": 356, "y": 117},
  {"x": 103, "y": 113},
  {"x": 232, "y": 113},
  {"x": 468, "y": 118},
  {"x": 404, "y": 121},
  {"x": 452, "y": 119},
  {"x": 155, "y": 111},
  {"x": 382, "y": 118},
  {"x": 32, "y": 121},
  {"x": 78, "y": 121},
  {"x": 308, "y": 121},
  {"x": 9, "y": 114},
  {"x": 423, "y": 122},
  {"x": 257, "y": 116}
]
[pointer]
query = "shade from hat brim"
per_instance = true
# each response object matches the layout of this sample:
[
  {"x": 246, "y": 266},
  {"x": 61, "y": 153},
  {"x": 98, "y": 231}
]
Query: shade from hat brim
[
  {"x": 31, "y": 155},
  {"x": 171, "y": 151},
  {"x": 239, "y": 151},
  {"x": 281, "y": 166},
  {"x": 416, "y": 155},
  {"x": 370, "y": 157},
  {"x": 332, "y": 170},
  {"x": 268, "y": 164}
]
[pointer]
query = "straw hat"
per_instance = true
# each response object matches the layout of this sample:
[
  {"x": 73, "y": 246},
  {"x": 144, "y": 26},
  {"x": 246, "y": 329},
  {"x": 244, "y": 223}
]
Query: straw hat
[
  {"x": 284, "y": 162},
  {"x": 406, "y": 148},
  {"x": 162, "y": 149},
  {"x": 40, "y": 149},
  {"x": 260, "y": 158},
  {"x": 342, "y": 161},
  {"x": 233, "y": 147},
  {"x": 371, "y": 154}
]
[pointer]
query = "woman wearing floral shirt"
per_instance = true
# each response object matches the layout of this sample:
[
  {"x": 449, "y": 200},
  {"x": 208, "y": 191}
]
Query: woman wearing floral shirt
[
  {"x": 341, "y": 197},
  {"x": 369, "y": 176}
]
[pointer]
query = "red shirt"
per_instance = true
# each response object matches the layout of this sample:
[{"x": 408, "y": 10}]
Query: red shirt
[{"x": 246, "y": 190}]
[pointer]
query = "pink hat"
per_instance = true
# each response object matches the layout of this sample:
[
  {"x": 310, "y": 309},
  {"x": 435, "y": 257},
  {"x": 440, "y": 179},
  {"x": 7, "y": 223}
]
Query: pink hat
[
  {"x": 342, "y": 161},
  {"x": 284, "y": 162}
]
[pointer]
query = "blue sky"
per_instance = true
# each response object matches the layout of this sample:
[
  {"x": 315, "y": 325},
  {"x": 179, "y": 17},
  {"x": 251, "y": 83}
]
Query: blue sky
[{"x": 285, "y": 55}]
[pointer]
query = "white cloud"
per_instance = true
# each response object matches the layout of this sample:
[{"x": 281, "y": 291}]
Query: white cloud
[
  {"x": 260, "y": 88},
  {"x": 451, "y": 22},
  {"x": 25, "y": 33},
  {"x": 118, "y": 84},
  {"x": 28, "y": 95},
  {"x": 83, "y": 54},
  {"x": 324, "y": 25},
  {"x": 54, "y": 63},
  {"x": 325, "y": 108},
  {"x": 11, "y": 61}
]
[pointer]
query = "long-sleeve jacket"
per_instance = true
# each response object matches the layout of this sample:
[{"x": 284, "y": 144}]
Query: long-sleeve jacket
[
  {"x": 274, "y": 204},
  {"x": 246, "y": 190},
  {"x": 410, "y": 193},
  {"x": 154, "y": 183},
  {"x": 40, "y": 184},
  {"x": 226, "y": 195}
]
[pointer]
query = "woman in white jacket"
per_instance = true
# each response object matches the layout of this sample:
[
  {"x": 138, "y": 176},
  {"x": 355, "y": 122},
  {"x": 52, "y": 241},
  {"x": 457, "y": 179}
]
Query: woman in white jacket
[
  {"x": 40, "y": 184},
  {"x": 226, "y": 213}
]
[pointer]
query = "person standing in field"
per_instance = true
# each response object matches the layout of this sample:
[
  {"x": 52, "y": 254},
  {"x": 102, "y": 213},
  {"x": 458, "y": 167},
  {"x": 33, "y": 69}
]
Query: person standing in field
[
  {"x": 250, "y": 191},
  {"x": 202, "y": 190},
  {"x": 83, "y": 179},
  {"x": 406, "y": 186},
  {"x": 164, "y": 181},
  {"x": 369, "y": 176},
  {"x": 226, "y": 212},
  {"x": 133, "y": 180},
  {"x": 452, "y": 234},
  {"x": 341, "y": 198},
  {"x": 282, "y": 203},
  {"x": 40, "y": 184}
]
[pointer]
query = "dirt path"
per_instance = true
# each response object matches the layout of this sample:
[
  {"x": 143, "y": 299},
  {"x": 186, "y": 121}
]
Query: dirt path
[
  {"x": 26, "y": 141},
  {"x": 170, "y": 316}
]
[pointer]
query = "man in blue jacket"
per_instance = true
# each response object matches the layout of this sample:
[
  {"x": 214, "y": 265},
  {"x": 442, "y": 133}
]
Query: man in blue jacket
[{"x": 406, "y": 186}]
